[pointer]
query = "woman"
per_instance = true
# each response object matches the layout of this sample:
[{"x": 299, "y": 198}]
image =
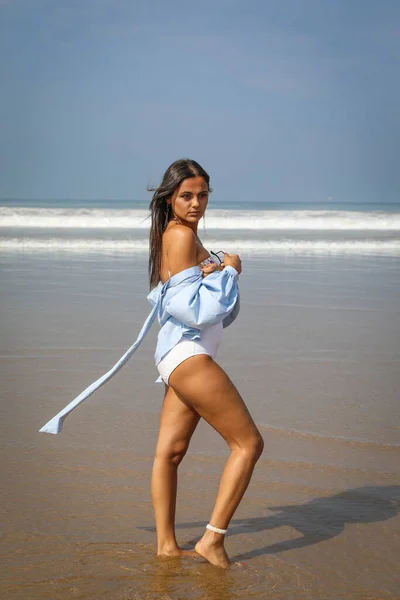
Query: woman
[
  {"x": 195, "y": 386},
  {"x": 192, "y": 311}
]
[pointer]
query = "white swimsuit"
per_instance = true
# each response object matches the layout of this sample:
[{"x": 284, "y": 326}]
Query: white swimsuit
[{"x": 209, "y": 342}]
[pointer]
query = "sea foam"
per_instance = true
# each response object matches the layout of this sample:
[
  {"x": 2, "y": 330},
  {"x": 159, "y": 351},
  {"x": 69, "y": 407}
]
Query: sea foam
[{"x": 83, "y": 218}]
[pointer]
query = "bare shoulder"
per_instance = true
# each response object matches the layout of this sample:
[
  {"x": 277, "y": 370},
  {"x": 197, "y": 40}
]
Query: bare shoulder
[
  {"x": 179, "y": 244},
  {"x": 179, "y": 236}
]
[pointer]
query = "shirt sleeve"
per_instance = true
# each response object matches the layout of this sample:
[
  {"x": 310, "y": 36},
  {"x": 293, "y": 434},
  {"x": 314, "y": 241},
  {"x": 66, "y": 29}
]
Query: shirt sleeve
[{"x": 207, "y": 301}]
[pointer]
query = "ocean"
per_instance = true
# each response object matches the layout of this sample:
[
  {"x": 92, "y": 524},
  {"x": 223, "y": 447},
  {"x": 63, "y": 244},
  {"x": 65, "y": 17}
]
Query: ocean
[
  {"x": 315, "y": 353},
  {"x": 253, "y": 228}
]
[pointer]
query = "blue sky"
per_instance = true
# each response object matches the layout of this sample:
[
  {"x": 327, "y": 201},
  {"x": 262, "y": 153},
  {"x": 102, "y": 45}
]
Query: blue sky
[{"x": 278, "y": 99}]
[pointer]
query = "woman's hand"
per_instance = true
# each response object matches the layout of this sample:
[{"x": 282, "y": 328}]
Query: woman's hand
[
  {"x": 210, "y": 268},
  {"x": 232, "y": 260}
]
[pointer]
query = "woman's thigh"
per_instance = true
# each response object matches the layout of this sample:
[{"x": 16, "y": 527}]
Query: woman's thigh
[
  {"x": 177, "y": 424},
  {"x": 202, "y": 385}
]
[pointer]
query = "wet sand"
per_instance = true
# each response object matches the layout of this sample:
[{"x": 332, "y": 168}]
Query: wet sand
[{"x": 318, "y": 364}]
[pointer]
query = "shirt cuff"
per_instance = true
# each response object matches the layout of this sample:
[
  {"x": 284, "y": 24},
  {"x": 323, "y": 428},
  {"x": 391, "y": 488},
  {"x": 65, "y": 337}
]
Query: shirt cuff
[{"x": 231, "y": 270}]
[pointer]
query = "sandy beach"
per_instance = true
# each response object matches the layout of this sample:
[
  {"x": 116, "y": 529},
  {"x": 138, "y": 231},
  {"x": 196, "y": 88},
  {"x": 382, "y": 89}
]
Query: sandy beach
[{"x": 318, "y": 365}]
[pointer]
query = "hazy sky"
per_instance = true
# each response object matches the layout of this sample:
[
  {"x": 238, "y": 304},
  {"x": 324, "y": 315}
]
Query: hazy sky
[{"x": 277, "y": 99}]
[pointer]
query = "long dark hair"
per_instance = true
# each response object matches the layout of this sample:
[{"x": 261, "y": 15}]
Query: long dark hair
[{"x": 161, "y": 211}]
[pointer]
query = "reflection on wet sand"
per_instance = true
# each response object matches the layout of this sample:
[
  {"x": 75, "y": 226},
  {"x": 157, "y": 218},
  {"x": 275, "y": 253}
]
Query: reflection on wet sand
[{"x": 200, "y": 580}]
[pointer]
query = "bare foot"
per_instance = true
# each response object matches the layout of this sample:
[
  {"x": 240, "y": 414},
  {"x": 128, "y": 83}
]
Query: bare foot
[
  {"x": 212, "y": 549},
  {"x": 177, "y": 553},
  {"x": 191, "y": 553}
]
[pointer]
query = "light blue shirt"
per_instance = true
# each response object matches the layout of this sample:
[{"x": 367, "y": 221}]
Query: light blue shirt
[
  {"x": 185, "y": 304},
  {"x": 190, "y": 303}
]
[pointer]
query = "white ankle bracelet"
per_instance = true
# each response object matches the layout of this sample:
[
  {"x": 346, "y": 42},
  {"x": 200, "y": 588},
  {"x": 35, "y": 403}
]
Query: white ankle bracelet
[{"x": 216, "y": 529}]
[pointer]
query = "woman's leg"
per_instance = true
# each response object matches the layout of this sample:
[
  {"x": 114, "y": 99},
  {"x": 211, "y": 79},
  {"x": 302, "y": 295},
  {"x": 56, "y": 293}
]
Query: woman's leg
[
  {"x": 177, "y": 425},
  {"x": 202, "y": 385}
]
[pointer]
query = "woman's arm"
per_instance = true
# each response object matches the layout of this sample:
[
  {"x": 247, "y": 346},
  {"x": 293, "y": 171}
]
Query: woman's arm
[
  {"x": 200, "y": 302},
  {"x": 206, "y": 301}
]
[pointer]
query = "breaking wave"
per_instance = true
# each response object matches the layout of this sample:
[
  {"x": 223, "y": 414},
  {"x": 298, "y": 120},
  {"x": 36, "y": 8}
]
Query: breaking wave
[
  {"x": 84, "y": 218},
  {"x": 27, "y": 244}
]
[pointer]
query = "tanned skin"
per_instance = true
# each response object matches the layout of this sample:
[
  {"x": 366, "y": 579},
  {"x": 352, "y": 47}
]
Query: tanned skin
[{"x": 199, "y": 388}]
